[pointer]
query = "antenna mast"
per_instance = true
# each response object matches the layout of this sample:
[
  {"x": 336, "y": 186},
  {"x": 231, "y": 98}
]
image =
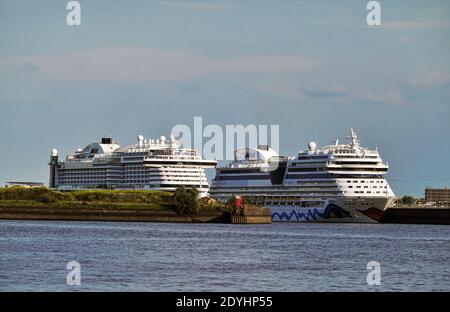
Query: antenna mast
[{"x": 354, "y": 138}]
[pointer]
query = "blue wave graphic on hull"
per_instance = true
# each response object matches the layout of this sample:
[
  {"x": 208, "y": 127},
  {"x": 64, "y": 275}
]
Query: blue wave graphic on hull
[
  {"x": 311, "y": 214},
  {"x": 331, "y": 210}
]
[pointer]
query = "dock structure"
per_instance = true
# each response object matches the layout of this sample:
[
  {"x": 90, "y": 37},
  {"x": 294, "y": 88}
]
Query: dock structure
[
  {"x": 251, "y": 215},
  {"x": 417, "y": 215}
]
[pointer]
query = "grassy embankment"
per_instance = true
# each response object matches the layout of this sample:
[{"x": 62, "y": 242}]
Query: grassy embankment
[{"x": 114, "y": 205}]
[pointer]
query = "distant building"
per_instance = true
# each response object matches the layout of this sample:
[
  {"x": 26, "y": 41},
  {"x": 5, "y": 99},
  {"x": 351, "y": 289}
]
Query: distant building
[
  {"x": 439, "y": 197},
  {"x": 24, "y": 184}
]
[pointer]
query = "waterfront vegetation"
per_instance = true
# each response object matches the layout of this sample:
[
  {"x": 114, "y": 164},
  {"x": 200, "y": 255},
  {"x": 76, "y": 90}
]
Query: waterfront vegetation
[
  {"x": 185, "y": 200},
  {"x": 408, "y": 200},
  {"x": 181, "y": 202}
]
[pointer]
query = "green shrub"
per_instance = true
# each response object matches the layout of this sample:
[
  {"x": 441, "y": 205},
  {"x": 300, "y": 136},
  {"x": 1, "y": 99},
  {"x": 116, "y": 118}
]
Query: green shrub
[
  {"x": 119, "y": 196},
  {"x": 208, "y": 204},
  {"x": 185, "y": 200},
  {"x": 231, "y": 202},
  {"x": 408, "y": 200},
  {"x": 40, "y": 194},
  {"x": 45, "y": 195}
]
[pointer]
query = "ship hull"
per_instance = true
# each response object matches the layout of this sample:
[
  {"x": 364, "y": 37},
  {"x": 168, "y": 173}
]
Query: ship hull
[{"x": 339, "y": 210}]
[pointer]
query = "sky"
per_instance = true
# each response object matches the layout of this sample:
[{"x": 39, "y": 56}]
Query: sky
[{"x": 315, "y": 68}]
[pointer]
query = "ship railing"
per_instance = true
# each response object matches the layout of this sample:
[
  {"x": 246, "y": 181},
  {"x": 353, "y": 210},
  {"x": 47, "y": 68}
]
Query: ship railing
[{"x": 246, "y": 163}]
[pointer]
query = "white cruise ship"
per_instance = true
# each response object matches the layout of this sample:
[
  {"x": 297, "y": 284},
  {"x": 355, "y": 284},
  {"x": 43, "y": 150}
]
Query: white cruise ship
[
  {"x": 337, "y": 183},
  {"x": 148, "y": 164}
]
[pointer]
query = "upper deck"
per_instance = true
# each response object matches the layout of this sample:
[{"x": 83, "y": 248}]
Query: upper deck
[{"x": 148, "y": 151}]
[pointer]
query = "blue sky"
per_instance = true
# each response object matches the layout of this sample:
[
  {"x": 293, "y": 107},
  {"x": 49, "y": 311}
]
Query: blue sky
[{"x": 313, "y": 67}]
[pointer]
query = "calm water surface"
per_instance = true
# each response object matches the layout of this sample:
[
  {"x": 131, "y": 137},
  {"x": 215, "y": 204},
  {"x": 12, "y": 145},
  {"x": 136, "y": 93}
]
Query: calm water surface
[{"x": 222, "y": 257}]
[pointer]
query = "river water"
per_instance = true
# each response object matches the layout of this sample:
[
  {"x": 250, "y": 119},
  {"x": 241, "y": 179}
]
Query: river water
[{"x": 115, "y": 256}]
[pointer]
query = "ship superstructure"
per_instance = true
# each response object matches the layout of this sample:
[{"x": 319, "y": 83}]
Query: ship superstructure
[{"x": 156, "y": 164}]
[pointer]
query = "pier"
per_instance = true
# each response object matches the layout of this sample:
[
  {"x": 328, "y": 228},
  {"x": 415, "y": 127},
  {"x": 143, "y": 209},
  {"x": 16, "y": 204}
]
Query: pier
[
  {"x": 252, "y": 215},
  {"x": 417, "y": 215}
]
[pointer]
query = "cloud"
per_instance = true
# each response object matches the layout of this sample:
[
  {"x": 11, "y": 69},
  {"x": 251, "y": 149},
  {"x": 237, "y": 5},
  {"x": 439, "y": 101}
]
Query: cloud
[
  {"x": 434, "y": 78},
  {"x": 267, "y": 64},
  {"x": 280, "y": 90},
  {"x": 335, "y": 92},
  {"x": 28, "y": 66},
  {"x": 143, "y": 64},
  {"x": 195, "y": 5},
  {"x": 414, "y": 25},
  {"x": 322, "y": 93},
  {"x": 391, "y": 96},
  {"x": 191, "y": 89},
  {"x": 313, "y": 6}
]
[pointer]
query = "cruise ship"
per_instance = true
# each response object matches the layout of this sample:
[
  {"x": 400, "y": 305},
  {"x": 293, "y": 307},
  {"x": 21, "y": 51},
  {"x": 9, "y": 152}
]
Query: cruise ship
[
  {"x": 335, "y": 183},
  {"x": 153, "y": 164}
]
